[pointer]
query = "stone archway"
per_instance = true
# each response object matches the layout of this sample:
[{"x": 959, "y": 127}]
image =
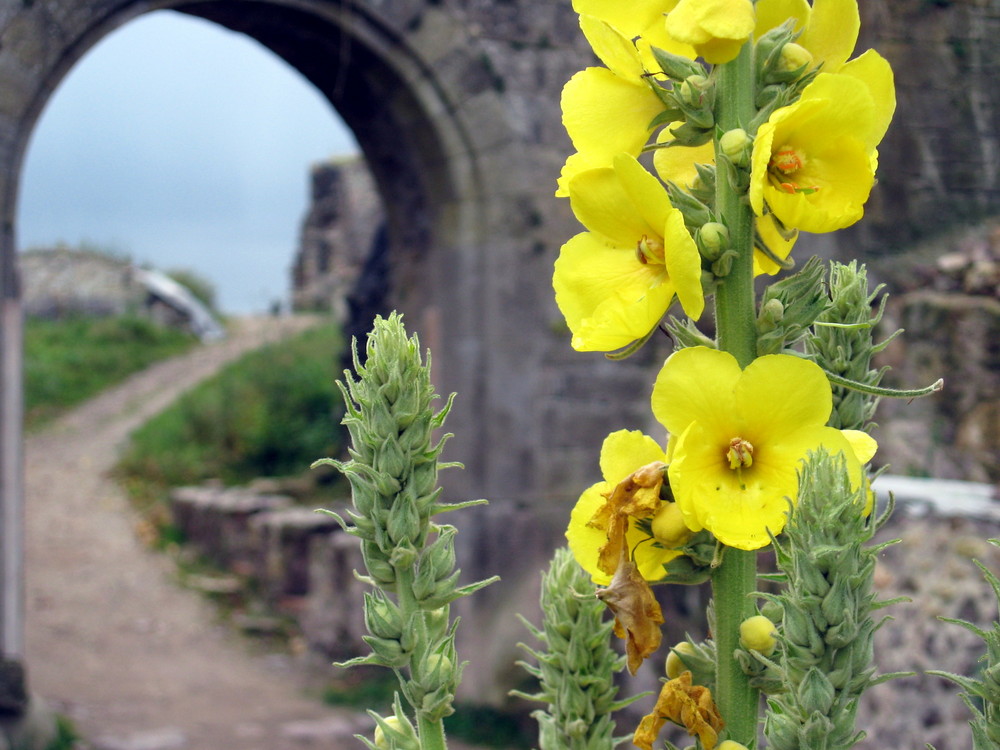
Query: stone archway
[{"x": 459, "y": 175}]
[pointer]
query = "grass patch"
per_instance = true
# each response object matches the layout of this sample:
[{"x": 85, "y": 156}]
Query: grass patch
[
  {"x": 367, "y": 687},
  {"x": 271, "y": 413},
  {"x": 362, "y": 687},
  {"x": 66, "y": 361}
]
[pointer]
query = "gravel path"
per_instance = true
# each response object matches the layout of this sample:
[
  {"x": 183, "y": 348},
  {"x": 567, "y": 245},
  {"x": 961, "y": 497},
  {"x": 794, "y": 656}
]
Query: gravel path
[{"x": 136, "y": 662}]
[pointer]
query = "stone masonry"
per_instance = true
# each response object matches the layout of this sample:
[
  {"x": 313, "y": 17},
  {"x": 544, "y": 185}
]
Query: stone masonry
[{"x": 337, "y": 236}]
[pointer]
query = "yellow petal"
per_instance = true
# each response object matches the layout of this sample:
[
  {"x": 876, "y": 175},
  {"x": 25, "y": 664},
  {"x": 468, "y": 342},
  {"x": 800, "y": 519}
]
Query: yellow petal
[
  {"x": 631, "y": 18},
  {"x": 576, "y": 163},
  {"x": 606, "y": 114},
  {"x": 848, "y": 107},
  {"x": 683, "y": 263},
  {"x": 601, "y": 203},
  {"x": 760, "y": 158},
  {"x": 613, "y": 49},
  {"x": 717, "y": 29},
  {"x": 874, "y": 71},
  {"x": 645, "y": 192},
  {"x": 585, "y": 541},
  {"x": 677, "y": 163},
  {"x": 776, "y": 243},
  {"x": 625, "y": 451},
  {"x": 696, "y": 383},
  {"x": 832, "y": 32},
  {"x": 773, "y": 13},
  {"x": 779, "y": 394},
  {"x": 863, "y": 444}
]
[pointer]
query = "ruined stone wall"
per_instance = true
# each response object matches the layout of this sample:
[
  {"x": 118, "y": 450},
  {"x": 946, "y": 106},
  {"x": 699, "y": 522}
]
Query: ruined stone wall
[
  {"x": 60, "y": 280},
  {"x": 337, "y": 236}
]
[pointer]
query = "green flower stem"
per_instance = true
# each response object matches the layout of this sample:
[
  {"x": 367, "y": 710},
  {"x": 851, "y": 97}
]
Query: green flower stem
[
  {"x": 734, "y": 299},
  {"x": 735, "y": 316},
  {"x": 430, "y": 731}
]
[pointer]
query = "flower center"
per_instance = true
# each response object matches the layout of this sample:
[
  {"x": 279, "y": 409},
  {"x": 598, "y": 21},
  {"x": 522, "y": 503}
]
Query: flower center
[
  {"x": 739, "y": 454},
  {"x": 785, "y": 162},
  {"x": 649, "y": 250}
]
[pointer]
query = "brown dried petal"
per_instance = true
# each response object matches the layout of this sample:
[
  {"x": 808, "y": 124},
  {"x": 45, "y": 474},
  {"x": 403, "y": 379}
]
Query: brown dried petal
[
  {"x": 690, "y": 706},
  {"x": 638, "y": 496},
  {"x": 637, "y": 613}
]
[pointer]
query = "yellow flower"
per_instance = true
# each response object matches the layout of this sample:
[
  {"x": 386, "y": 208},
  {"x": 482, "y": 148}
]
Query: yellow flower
[
  {"x": 607, "y": 111},
  {"x": 813, "y": 162},
  {"x": 622, "y": 454},
  {"x": 830, "y": 33},
  {"x": 614, "y": 282},
  {"x": 638, "y": 18},
  {"x": 717, "y": 29},
  {"x": 737, "y": 437}
]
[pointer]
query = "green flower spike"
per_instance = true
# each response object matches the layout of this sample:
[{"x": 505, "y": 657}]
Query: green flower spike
[
  {"x": 982, "y": 696},
  {"x": 826, "y": 638},
  {"x": 410, "y": 560},
  {"x": 577, "y": 666}
]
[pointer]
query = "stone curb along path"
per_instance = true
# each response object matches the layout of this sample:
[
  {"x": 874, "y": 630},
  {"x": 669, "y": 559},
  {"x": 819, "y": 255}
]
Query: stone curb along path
[{"x": 112, "y": 642}]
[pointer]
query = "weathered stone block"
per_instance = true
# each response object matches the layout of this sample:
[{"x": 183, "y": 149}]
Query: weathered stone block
[
  {"x": 283, "y": 540},
  {"x": 216, "y": 521}
]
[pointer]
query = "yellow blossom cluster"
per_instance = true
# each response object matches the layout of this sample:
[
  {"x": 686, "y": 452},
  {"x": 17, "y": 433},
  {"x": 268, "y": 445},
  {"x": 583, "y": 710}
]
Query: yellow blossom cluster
[
  {"x": 812, "y": 167},
  {"x": 648, "y": 150}
]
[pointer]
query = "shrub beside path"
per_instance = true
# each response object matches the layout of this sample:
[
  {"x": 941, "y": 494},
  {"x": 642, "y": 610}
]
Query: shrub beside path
[{"x": 112, "y": 641}]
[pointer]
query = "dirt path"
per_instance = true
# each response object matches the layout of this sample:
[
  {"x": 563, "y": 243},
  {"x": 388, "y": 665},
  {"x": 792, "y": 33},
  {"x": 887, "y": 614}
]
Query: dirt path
[{"x": 135, "y": 661}]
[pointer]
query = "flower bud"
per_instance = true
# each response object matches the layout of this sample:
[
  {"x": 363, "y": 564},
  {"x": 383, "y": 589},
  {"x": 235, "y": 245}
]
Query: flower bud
[
  {"x": 771, "y": 314},
  {"x": 394, "y": 724},
  {"x": 668, "y": 526},
  {"x": 794, "y": 57},
  {"x": 757, "y": 633},
  {"x": 692, "y": 90},
  {"x": 737, "y": 146},
  {"x": 712, "y": 239},
  {"x": 730, "y": 745},
  {"x": 675, "y": 666}
]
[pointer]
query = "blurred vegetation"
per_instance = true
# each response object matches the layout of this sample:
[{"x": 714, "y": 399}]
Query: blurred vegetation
[
  {"x": 201, "y": 288},
  {"x": 271, "y": 413},
  {"x": 484, "y": 726},
  {"x": 68, "y": 360}
]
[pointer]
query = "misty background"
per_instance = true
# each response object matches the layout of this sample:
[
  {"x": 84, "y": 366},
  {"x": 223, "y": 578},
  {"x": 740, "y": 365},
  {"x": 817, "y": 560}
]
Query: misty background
[{"x": 181, "y": 144}]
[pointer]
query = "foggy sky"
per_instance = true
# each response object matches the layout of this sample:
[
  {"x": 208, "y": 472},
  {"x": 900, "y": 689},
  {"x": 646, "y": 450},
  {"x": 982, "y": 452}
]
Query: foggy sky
[{"x": 184, "y": 145}]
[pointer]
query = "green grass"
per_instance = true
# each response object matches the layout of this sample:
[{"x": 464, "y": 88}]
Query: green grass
[
  {"x": 271, "y": 413},
  {"x": 373, "y": 687},
  {"x": 67, "y": 361}
]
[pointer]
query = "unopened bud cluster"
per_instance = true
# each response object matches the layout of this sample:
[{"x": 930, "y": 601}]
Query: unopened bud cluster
[
  {"x": 789, "y": 307},
  {"x": 827, "y": 629},
  {"x": 575, "y": 643},
  {"x": 982, "y": 693},
  {"x": 847, "y": 347},
  {"x": 410, "y": 561}
]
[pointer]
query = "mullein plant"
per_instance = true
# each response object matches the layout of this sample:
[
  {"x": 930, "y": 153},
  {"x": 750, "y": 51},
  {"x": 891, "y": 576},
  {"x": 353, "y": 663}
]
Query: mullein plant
[
  {"x": 409, "y": 558},
  {"x": 575, "y": 668},
  {"x": 710, "y": 135},
  {"x": 982, "y": 694}
]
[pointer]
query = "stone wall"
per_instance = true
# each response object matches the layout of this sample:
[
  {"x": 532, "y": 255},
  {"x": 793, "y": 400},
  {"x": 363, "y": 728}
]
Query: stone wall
[
  {"x": 61, "y": 280},
  {"x": 337, "y": 236}
]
